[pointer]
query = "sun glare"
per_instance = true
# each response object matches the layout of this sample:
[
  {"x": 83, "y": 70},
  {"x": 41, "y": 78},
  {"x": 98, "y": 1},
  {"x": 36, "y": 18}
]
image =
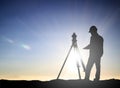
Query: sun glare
[
  {"x": 74, "y": 59},
  {"x": 71, "y": 63}
]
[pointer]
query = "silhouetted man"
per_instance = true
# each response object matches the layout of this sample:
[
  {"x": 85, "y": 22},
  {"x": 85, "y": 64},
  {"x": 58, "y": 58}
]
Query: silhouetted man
[{"x": 96, "y": 52}]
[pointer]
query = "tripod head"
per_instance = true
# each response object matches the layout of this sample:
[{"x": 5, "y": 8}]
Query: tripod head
[{"x": 74, "y": 40}]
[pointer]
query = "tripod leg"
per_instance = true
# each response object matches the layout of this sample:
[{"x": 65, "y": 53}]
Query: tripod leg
[
  {"x": 83, "y": 65},
  {"x": 77, "y": 62},
  {"x": 78, "y": 70},
  {"x": 64, "y": 62}
]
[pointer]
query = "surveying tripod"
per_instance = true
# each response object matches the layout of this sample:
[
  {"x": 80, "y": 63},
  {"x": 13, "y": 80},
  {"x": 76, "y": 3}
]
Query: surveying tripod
[{"x": 74, "y": 45}]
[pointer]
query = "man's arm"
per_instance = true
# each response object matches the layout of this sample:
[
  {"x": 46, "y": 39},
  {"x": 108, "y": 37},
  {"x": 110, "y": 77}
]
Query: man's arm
[{"x": 87, "y": 47}]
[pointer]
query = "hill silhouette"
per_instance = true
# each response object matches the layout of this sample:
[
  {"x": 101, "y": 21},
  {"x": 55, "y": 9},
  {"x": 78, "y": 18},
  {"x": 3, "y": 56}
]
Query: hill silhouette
[{"x": 111, "y": 83}]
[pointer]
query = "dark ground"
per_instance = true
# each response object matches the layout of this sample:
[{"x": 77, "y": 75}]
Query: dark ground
[{"x": 111, "y": 83}]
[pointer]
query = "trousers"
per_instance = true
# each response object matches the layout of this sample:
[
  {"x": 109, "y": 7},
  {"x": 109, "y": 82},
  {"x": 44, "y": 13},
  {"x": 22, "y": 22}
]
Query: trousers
[{"x": 91, "y": 61}]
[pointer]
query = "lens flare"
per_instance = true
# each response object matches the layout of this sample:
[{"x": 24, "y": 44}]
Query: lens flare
[
  {"x": 25, "y": 46},
  {"x": 7, "y": 39}
]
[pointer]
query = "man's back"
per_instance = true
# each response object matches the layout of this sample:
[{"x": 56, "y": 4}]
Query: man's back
[{"x": 96, "y": 45}]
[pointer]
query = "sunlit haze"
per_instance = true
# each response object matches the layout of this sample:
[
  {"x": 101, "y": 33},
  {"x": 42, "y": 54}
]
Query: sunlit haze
[{"x": 36, "y": 35}]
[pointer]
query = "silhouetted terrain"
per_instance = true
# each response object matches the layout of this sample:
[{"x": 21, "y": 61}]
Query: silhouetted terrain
[{"x": 112, "y": 83}]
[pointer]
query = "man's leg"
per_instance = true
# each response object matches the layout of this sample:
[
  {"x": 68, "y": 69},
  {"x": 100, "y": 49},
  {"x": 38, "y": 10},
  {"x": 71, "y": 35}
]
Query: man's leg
[
  {"x": 88, "y": 68},
  {"x": 97, "y": 64}
]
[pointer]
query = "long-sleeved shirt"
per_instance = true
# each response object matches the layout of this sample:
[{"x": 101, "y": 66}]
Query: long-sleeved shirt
[{"x": 96, "y": 45}]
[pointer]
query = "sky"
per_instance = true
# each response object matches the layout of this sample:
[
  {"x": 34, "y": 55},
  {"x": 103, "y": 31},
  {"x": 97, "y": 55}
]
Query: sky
[{"x": 35, "y": 37}]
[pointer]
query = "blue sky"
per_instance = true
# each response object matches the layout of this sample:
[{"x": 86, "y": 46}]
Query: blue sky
[{"x": 35, "y": 36}]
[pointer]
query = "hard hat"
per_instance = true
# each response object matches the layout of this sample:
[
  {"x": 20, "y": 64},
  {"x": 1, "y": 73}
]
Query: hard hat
[{"x": 93, "y": 29}]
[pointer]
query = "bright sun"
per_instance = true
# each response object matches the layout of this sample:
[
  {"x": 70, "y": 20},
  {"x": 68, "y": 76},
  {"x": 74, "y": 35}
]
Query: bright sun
[{"x": 74, "y": 58}]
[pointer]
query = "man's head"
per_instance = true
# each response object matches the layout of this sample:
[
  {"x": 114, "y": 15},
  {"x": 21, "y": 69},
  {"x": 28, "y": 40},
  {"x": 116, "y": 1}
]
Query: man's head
[{"x": 93, "y": 30}]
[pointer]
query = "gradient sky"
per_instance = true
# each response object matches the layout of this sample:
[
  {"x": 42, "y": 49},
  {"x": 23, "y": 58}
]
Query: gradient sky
[{"x": 35, "y": 36}]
